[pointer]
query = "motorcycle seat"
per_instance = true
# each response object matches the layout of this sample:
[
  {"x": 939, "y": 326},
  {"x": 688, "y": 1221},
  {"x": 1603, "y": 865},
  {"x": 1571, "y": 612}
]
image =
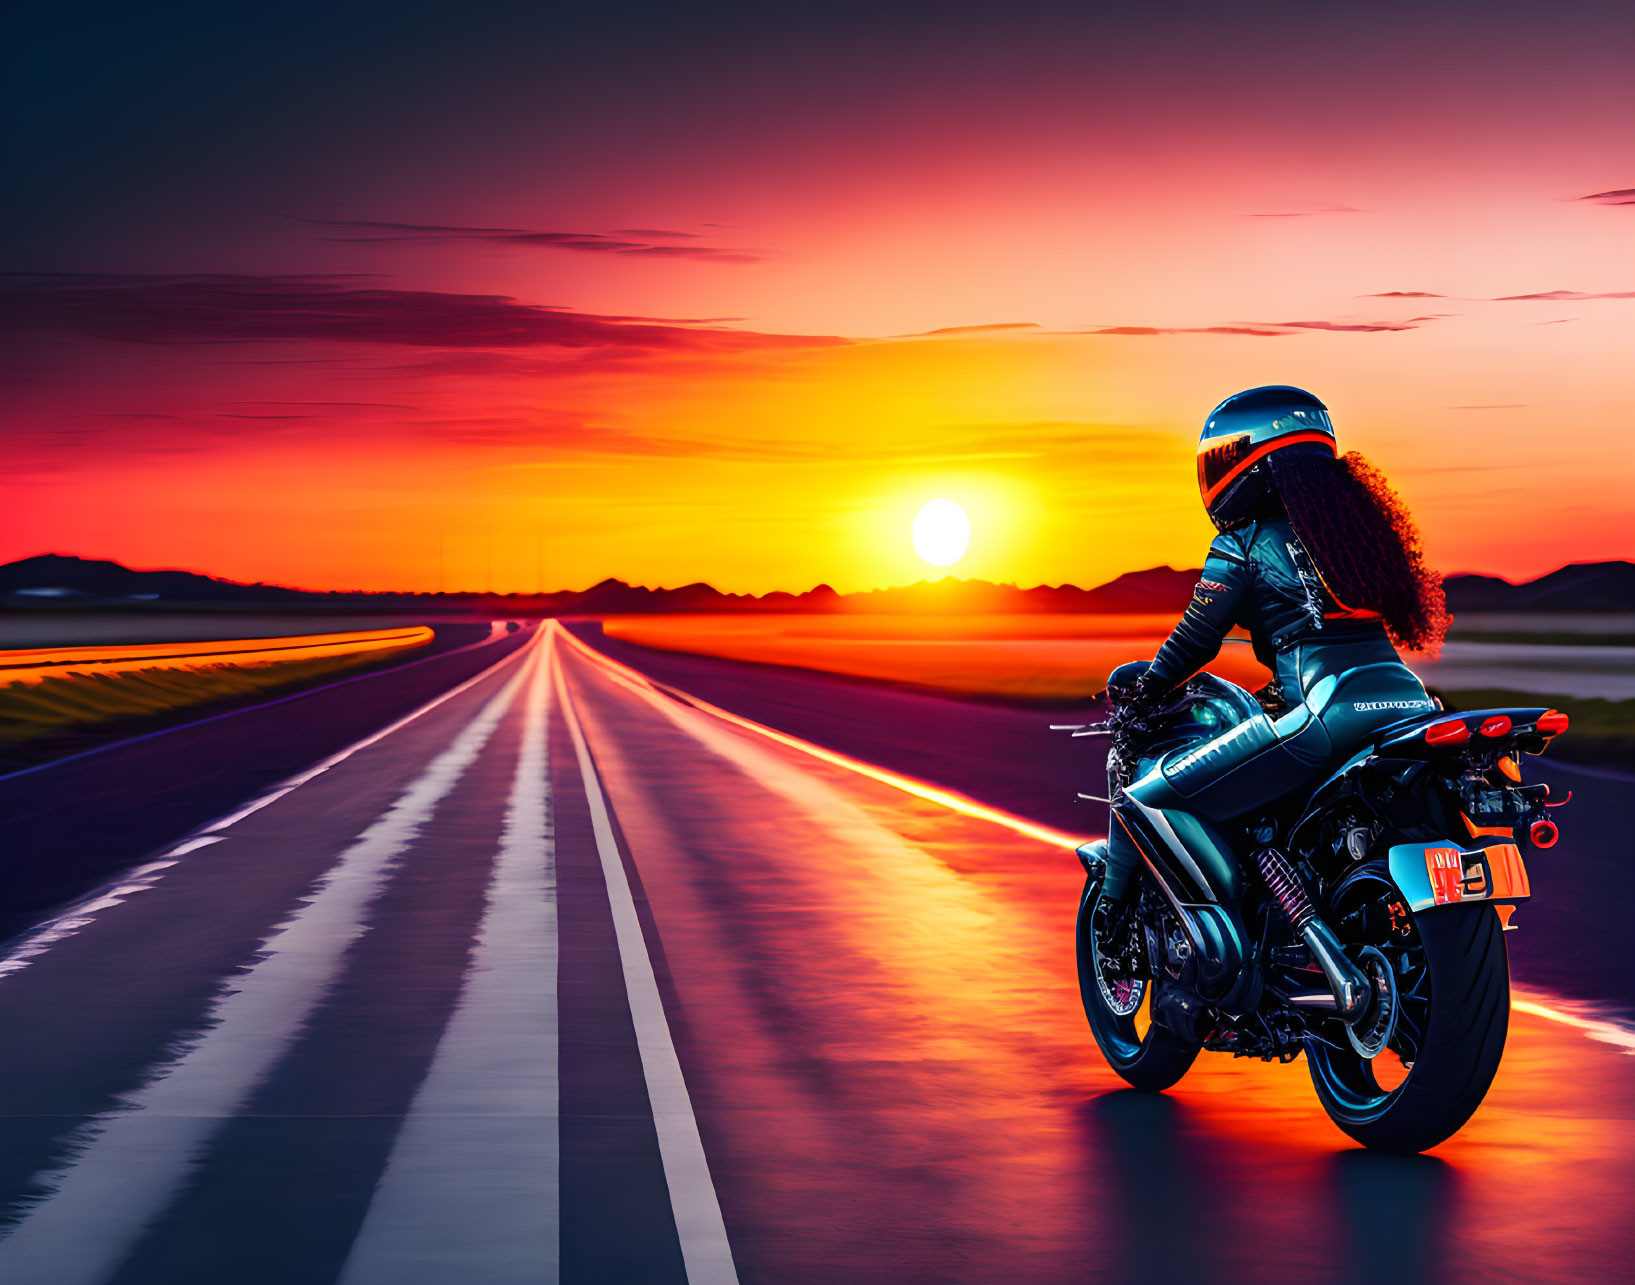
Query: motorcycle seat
[{"x": 1259, "y": 760}]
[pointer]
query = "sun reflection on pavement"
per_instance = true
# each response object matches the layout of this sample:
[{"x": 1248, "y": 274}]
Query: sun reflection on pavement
[{"x": 878, "y": 1012}]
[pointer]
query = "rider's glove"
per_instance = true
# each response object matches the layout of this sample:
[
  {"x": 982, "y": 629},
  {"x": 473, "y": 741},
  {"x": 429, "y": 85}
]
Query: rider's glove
[{"x": 1143, "y": 696}]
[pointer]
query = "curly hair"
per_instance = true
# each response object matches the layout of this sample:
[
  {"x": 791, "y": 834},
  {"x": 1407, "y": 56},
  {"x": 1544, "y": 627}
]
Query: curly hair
[{"x": 1364, "y": 542}]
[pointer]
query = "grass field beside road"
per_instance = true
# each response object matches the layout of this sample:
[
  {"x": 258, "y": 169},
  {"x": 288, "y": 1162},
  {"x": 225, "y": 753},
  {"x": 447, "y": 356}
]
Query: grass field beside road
[
  {"x": 1067, "y": 657},
  {"x": 46, "y": 691}
]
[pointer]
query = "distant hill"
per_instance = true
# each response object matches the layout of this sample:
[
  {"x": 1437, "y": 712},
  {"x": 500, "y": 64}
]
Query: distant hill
[
  {"x": 55, "y": 576},
  {"x": 1579, "y": 586},
  {"x": 1158, "y": 589},
  {"x": 58, "y": 580}
]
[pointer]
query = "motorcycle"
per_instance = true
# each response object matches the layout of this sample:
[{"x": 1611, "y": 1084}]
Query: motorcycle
[{"x": 1372, "y": 940}]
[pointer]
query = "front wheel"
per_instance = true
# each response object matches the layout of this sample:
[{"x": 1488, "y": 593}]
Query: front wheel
[
  {"x": 1114, "y": 986},
  {"x": 1460, "y": 987}
]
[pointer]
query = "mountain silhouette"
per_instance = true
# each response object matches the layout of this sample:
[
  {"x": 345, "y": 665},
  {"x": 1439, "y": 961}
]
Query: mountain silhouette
[
  {"x": 60, "y": 579},
  {"x": 53, "y": 575},
  {"x": 1579, "y": 586}
]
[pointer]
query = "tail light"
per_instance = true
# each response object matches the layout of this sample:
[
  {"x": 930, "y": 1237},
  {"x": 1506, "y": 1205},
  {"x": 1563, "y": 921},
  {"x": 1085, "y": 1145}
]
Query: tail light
[
  {"x": 1544, "y": 834},
  {"x": 1453, "y": 732},
  {"x": 1498, "y": 725},
  {"x": 1552, "y": 722}
]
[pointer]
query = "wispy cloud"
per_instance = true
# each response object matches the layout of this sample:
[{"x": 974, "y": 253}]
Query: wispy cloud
[
  {"x": 1360, "y": 327},
  {"x": 1182, "y": 330},
  {"x": 1263, "y": 329},
  {"x": 970, "y": 330},
  {"x": 344, "y": 405},
  {"x": 243, "y": 309},
  {"x": 1307, "y": 211},
  {"x": 1544, "y": 295},
  {"x": 1618, "y": 196},
  {"x": 1557, "y": 296},
  {"x": 649, "y": 243}
]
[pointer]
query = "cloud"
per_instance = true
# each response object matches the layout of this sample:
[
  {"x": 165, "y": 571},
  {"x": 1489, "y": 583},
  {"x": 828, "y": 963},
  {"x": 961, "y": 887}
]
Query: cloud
[
  {"x": 255, "y": 309},
  {"x": 1261, "y": 329},
  {"x": 1182, "y": 330},
  {"x": 1360, "y": 327},
  {"x": 369, "y": 405},
  {"x": 651, "y": 242},
  {"x": 1309, "y": 211},
  {"x": 970, "y": 330},
  {"x": 1618, "y": 196},
  {"x": 1556, "y": 296},
  {"x": 1546, "y": 295}
]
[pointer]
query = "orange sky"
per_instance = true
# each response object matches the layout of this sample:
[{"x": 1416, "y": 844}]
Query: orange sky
[{"x": 742, "y": 239}]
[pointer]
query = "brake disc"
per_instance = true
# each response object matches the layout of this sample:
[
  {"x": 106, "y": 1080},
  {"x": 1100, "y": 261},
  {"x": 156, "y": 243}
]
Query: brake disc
[{"x": 1371, "y": 1035}]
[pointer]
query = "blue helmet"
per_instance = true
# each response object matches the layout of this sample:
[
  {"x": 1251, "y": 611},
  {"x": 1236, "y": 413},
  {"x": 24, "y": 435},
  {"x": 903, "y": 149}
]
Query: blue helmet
[{"x": 1240, "y": 433}]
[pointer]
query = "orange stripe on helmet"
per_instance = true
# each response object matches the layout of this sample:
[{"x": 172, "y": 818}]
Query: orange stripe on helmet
[{"x": 1259, "y": 453}]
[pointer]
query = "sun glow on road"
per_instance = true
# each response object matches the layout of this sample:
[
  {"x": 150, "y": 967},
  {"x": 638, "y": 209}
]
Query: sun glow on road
[{"x": 942, "y": 533}]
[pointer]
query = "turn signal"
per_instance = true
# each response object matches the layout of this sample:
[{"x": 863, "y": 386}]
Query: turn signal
[
  {"x": 1453, "y": 732},
  {"x": 1510, "y": 768},
  {"x": 1544, "y": 834},
  {"x": 1498, "y": 725},
  {"x": 1552, "y": 722}
]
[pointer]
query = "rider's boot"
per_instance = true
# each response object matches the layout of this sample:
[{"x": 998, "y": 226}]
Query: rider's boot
[{"x": 1114, "y": 859}]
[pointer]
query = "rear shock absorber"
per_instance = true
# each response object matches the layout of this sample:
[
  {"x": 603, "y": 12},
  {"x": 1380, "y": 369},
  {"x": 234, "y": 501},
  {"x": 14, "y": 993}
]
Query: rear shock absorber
[
  {"x": 1286, "y": 886},
  {"x": 1347, "y": 982}
]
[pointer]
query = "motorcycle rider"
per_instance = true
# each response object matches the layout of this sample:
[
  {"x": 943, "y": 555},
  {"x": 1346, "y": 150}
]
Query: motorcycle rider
[{"x": 1319, "y": 560}]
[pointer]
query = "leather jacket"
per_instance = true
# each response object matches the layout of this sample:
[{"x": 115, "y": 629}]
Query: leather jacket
[{"x": 1260, "y": 576}]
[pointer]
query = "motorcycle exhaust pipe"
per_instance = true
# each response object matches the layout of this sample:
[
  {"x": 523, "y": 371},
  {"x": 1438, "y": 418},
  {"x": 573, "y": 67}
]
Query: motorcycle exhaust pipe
[
  {"x": 1345, "y": 979},
  {"x": 1347, "y": 982}
]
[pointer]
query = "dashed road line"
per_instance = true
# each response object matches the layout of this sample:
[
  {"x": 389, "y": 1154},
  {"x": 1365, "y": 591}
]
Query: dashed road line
[
  {"x": 83, "y": 912},
  {"x": 130, "y": 1162},
  {"x": 471, "y": 1189}
]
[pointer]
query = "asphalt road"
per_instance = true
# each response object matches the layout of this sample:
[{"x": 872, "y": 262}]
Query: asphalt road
[
  {"x": 560, "y": 977},
  {"x": 1573, "y": 938}
]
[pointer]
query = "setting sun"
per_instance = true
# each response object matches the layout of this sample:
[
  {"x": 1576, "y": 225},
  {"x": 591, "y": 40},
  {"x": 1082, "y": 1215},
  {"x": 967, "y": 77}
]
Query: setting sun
[{"x": 942, "y": 533}]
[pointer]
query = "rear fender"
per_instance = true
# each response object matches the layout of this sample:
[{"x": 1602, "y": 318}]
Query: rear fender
[{"x": 1444, "y": 872}]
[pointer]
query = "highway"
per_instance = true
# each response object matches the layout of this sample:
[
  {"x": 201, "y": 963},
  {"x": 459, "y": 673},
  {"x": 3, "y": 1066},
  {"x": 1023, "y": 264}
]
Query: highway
[{"x": 546, "y": 974}]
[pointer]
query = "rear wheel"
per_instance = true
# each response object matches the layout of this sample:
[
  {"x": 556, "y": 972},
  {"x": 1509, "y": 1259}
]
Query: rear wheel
[
  {"x": 1115, "y": 989},
  {"x": 1455, "y": 1011}
]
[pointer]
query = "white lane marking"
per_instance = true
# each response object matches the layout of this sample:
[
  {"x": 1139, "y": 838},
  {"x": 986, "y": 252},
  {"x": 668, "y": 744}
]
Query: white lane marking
[
  {"x": 70, "y": 921},
  {"x": 83, "y": 912},
  {"x": 952, "y": 799},
  {"x": 471, "y": 1189},
  {"x": 705, "y": 1249},
  {"x": 130, "y": 1162},
  {"x": 1578, "y": 1015}
]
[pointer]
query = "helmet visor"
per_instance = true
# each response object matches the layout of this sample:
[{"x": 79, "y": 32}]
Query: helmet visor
[{"x": 1220, "y": 459}]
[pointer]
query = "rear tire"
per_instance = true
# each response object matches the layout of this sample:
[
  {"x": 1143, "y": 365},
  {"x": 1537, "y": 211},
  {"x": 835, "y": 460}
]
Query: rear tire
[
  {"x": 1464, "y": 1040},
  {"x": 1150, "y": 1060}
]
